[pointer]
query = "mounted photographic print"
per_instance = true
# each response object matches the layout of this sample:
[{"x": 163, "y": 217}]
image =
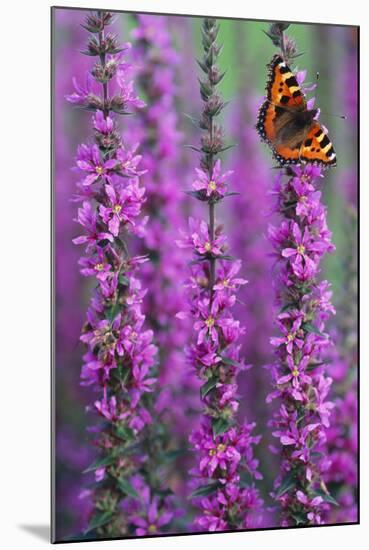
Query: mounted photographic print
[{"x": 205, "y": 338}]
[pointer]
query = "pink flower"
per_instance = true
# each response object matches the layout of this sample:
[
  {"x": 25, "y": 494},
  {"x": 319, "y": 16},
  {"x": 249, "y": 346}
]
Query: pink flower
[
  {"x": 81, "y": 93},
  {"x": 124, "y": 206},
  {"x": 207, "y": 323},
  {"x": 87, "y": 217},
  {"x": 225, "y": 276},
  {"x": 290, "y": 333},
  {"x": 199, "y": 239},
  {"x": 89, "y": 160},
  {"x": 95, "y": 266},
  {"x": 214, "y": 185}
]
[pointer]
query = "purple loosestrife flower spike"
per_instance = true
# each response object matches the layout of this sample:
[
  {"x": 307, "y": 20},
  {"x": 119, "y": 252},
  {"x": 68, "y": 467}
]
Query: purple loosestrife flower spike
[
  {"x": 120, "y": 357},
  {"x": 223, "y": 478},
  {"x": 156, "y": 130},
  {"x": 300, "y": 384}
]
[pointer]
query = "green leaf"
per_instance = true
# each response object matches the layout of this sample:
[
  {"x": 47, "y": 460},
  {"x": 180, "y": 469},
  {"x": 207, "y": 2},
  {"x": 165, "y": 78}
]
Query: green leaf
[
  {"x": 287, "y": 483},
  {"x": 297, "y": 55},
  {"x": 124, "y": 433},
  {"x": 325, "y": 496},
  {"x": 202, "y": 66},
  {"x": 228, "y": 361},
  {"x": 231, "y": 194},
  {"x": 330, "y": 499},
  {"x": 99, "y": 463},
  {"x": 113, "y": 312},
  {"x": 205, "y": 490},
  {"x": 197, "y": 195},
  {"x": 194, "y": 120},
  {"x": 205, "y": 88},
  {"x": 227, "y": 147},
  {"x": 226, "y": 257},
  {"x": 220, "y": 425},
  {"x": 98, "y": 521},
  {"x": 193, "y": 148},
  {"x": 125, "y": 374},
  {"x": 208, "y": 386},
  {"x": 300, "y": 519},
  {"x": 121, "y": 373},
  {"x": 123, "y": 280},
  {"x": 127, "y": 488},
  {"x": 315, "y": 365},
  {"x": 310, "y": 328}
]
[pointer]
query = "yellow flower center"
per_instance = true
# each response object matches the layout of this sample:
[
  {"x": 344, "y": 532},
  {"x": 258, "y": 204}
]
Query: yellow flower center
[
  {"x": 301, "y": 249},
  {"x": 212, "y": 185},
  {"x": 99, "y": 267},
  {"x": 212, "y": 452},
  {"x": 290, "y": 336},
  {"x": 303, "y": 198},
  {"x": 207, "y": 246},
  {"x": 225, "y": 282},
  {"x": 295, "y": 372},
  {"x": 117, "y": 208},
  {"x": 133, "y": 335},
  {"x": 210, "y": 322},
  {"x": 221, "y": 448},
  {"x": 99, "y": 170},
  {"x": 152, "y": 528}
]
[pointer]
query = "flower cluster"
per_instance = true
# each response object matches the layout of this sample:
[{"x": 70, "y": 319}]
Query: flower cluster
[
  {"x": 154, "y": 140},
  {"x": 120, "y": 354},
  {"x": 223, "y": 448},
  {"x": 300, "y": 241},
  {"x": 149, "y": 514}
]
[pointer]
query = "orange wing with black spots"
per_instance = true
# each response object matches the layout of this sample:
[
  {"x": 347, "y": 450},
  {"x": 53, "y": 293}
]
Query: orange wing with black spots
[
  {"x": 317, "y": 147},
  {"x": 286, "y": 124},
  {"x": 283, "y": 92},
  {"x": 282, "y": 88},
  {"x": 286, "y": 155}
]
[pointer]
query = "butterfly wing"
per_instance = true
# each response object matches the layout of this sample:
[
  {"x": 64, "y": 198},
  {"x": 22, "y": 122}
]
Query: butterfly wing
[
  {"x": 283, "y": 92},
  {"x": 286, "y": 155},
  {"x": 284, "y": 100},
  {"x": 282, "y": 87},
  {"x": 317, "y": 148}
]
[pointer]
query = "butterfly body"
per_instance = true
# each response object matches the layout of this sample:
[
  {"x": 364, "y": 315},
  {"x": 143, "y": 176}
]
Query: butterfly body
[{"x": 287, "y": 125}]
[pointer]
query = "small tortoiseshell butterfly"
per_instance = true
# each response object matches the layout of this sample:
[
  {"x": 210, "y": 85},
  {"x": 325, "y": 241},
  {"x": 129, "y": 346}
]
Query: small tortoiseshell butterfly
[{"x": 286, "y": 124}]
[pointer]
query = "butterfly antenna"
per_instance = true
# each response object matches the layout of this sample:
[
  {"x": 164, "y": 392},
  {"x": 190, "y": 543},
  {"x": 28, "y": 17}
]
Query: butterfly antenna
[
  {"x": 343, "y": 117},
  {"x": 316, "y": 86}
]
